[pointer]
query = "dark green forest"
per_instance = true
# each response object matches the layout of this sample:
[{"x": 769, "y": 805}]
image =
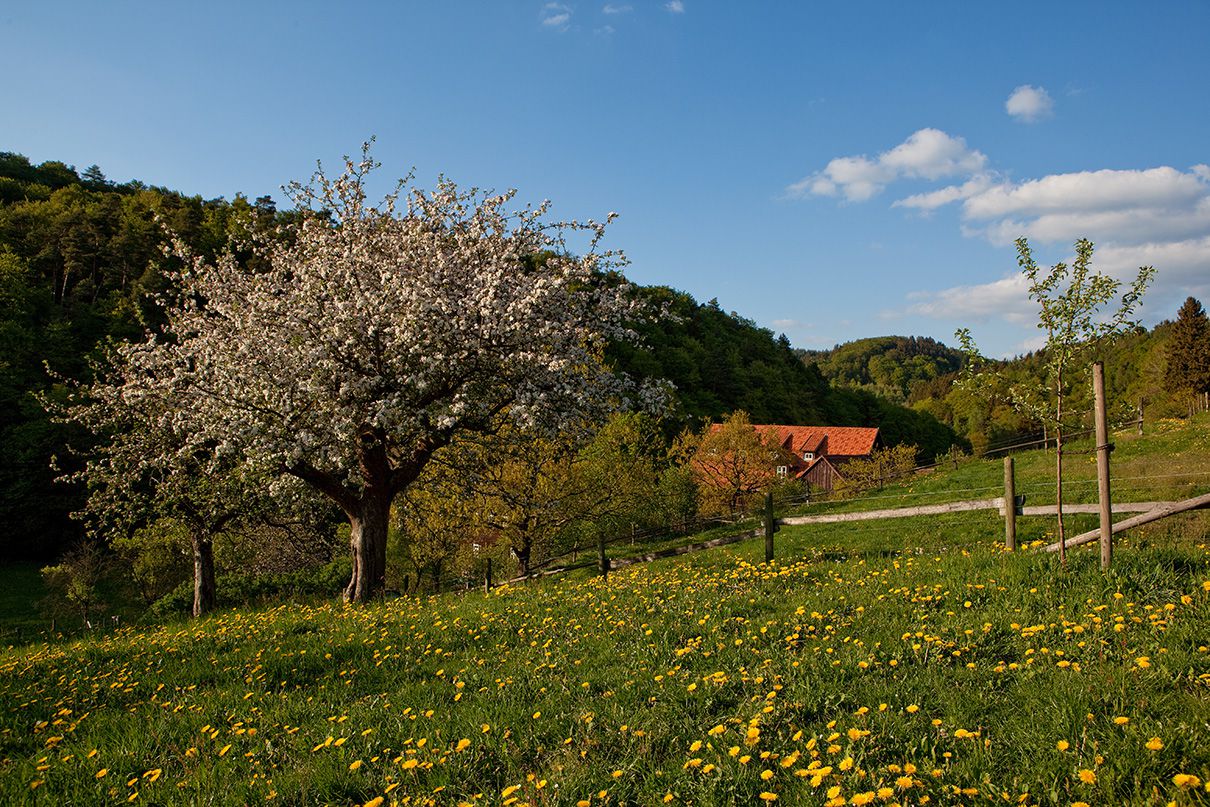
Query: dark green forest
[{"x": 81, "y": 261}]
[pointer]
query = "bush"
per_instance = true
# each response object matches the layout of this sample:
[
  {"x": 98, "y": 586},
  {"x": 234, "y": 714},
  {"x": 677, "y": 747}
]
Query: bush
[{"x": 247, "y": 589}]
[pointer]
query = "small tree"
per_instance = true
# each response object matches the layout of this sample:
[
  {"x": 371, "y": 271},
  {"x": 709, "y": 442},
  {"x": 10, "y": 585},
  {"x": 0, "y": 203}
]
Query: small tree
[
  {"x": 1070, "y": 302},
  {"x": 368, "y": 338},
  {"x": 77, "y": 579},
  {"x": 527, "y": 490},
  {"x": 883, "y": 465},
  {"x": 1188, "y": 368},
  {"x": 733, "y": 462}
]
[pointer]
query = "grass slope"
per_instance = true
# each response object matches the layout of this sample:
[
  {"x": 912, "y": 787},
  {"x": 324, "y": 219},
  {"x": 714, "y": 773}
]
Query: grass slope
[{"x": 898, "y": 662}]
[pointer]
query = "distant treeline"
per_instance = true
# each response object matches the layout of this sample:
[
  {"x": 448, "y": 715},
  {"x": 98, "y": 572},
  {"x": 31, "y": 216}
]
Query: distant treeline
[{"x": 919, "y": 373}]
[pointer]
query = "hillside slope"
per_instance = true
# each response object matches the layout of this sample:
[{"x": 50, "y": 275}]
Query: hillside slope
[{"x": 869, "y": 663}]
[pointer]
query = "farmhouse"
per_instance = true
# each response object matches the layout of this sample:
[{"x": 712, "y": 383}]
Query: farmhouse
[{"x": 818, "y": 453}]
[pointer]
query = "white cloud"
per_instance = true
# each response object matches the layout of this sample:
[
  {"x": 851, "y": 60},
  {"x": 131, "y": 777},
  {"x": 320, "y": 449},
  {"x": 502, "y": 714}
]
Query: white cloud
[
  {"x": 1007, "y": 297},
  {"x": 1132, "y": 225},
  {"x": 1029, "y": 104},
  {"x": 1088, "y": 190},
  {"x": 926, "y": 154},
  {"x": 932, "y": 200},
  {"x": 675, "y": 6},
  {"x": 792, "y": 325},
  {"x": 1137, "y": 217},
  {"x": 616, "y": 8},
  {"x": 1182, "y": 269},
  {"x": 556, "y": 16},
  {"x": 1114, "y": 206}
]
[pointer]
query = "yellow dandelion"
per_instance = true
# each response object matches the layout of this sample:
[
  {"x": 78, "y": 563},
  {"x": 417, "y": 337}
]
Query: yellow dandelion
[
  {"x": 1154, "y": 744},
  {"x": 1088, "y": 777},
  {"x": 1186, "y": 780}
]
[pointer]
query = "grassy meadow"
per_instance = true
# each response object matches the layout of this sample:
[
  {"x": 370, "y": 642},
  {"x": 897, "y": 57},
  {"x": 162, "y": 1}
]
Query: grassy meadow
[{"x": 899, "y": 662}]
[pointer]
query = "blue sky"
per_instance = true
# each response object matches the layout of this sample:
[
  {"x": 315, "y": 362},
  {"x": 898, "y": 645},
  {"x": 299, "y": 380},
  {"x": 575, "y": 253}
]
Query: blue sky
[{"x": 831, "y": 171}]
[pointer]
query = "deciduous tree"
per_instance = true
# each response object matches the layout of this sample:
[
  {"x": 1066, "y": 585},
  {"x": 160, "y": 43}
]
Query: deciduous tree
[
  {"x": 733, "y": 462},
  {"x": 1071, "y": 301},
  {"x": 373, "y": 336}
]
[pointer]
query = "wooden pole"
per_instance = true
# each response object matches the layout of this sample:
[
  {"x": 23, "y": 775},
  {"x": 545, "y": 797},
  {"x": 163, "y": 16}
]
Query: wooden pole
[
  {"x": 602, "y": 558},
  {"x": 770, "y": 525},
  {"x": 1010, "y": 505},
  {"x": 1103, "y": 449},
  {"x": 487, "y": 578}
]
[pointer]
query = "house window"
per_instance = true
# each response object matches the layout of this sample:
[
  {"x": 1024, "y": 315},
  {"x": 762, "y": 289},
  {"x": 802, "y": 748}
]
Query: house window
[
  {"x": 782, "y": 470},
  {"x": 808, "y": 456}
]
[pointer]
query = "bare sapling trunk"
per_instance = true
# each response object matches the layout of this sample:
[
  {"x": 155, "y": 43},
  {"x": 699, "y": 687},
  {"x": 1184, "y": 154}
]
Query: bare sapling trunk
[
  {"x": 203, "y": 573},
  {"x": 1059, "y": 471}
]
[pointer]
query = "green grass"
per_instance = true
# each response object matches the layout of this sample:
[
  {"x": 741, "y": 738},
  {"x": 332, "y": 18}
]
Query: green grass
[
  {"x": 1170, "y": 462},
  {"x": 21, "y": 590},
  {"x": 966, "y": 665}
]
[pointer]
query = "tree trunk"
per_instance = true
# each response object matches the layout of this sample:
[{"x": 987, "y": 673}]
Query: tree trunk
[
  {"x": 1059, "y": 474},
  {"x": 523, "y": 555},
  {"x": 203, "y": 574},
  {"x": 368, "y": 545}
]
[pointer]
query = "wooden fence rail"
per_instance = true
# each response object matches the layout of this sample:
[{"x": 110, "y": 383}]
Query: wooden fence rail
[{"x": 1161, "y": 510}]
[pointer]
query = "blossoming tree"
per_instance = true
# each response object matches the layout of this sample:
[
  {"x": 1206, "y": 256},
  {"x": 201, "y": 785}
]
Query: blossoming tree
[{"x": 368, "y": 337}]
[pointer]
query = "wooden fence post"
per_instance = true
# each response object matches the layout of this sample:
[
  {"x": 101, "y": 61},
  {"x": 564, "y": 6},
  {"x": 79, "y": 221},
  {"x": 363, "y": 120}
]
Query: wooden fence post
[
  {"x": 602, "y": 558},
  {"x": 487, "y": 578},
  {"x": 1103, "y": 449},
  {"x": 770, "y": 525},
  {"x": 1010, "y": 505}
]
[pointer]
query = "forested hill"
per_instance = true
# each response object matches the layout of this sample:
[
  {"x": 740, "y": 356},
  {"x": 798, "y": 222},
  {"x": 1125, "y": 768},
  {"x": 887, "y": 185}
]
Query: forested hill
[
  {"x": 890, "y": 366},
  {"x": 721, "y": 362},
  {"x": 80, "y": 257}
]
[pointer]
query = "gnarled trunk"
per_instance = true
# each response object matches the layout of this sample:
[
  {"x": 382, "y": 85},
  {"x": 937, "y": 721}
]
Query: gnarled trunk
[
  {"x": 368, "y": 545},
  {"x": 523, "y": 553},
  {"x": 203, "y": 573}
]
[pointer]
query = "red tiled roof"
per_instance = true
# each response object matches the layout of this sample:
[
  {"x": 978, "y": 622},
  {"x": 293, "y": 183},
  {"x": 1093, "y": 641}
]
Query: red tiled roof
[{"x": 841, "y": 441}]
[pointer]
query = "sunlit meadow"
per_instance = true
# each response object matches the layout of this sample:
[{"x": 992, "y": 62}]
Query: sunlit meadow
[{"x": 905, "y": 662}]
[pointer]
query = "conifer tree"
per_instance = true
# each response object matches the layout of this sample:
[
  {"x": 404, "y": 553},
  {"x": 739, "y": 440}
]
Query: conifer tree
[{"x": 1189, "y": 353}]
